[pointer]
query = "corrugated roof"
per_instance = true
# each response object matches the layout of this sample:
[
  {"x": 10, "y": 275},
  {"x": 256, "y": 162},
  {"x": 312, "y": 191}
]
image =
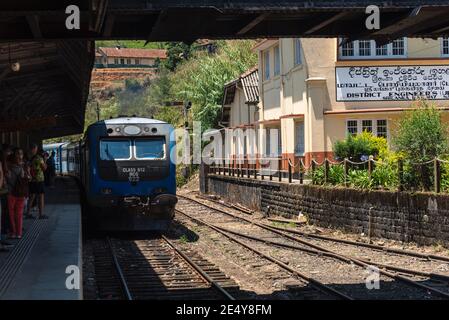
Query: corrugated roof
[
  {"x": 249, "y": 82},
  {"x": 134, "y": 53}
]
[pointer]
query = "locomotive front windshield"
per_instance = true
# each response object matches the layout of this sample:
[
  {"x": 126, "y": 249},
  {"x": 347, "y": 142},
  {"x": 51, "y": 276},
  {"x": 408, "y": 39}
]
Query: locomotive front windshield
[
  {"x": 147, "y": 149},
  {"x": 140, "y": 149},
  {"x": 111, "y": 150}
]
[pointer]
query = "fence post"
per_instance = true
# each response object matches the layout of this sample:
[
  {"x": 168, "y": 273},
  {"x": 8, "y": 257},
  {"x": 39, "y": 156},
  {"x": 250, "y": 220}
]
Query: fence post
[
  {"x": 370, "y": 166},
  {"x": 346, "y": 167},
  {"x": 326, "y": 171},
  {"x": 280, "y": 170},
  {"x": 255, "y": 170},
  {"x": 301, "y": 177},
  {"x": 400, "y": 174},
  {"x": 437, "y": 173},
  {"x": 248, "y": 174},
  {"x": 290, "y": 177}
]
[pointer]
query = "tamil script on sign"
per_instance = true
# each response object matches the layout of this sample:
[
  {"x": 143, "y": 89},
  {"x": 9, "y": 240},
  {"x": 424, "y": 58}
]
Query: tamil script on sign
[{"x": 398, "y": 83}]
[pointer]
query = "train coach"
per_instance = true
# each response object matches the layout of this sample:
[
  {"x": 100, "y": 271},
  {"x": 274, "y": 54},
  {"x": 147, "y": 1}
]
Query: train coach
[{"x": 127, "y": 173}]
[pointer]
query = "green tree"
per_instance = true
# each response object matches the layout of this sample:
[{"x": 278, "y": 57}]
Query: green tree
[
  {"x": 202, "y": 78},
  {"x": 177, "y": 52},
  {"x": 420, "y": 137}
]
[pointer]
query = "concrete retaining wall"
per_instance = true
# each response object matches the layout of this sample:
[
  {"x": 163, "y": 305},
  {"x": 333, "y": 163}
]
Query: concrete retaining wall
[{"x": 420, "y": 217}]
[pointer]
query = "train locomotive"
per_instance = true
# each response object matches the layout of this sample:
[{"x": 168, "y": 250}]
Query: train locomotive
[{"x": 127, "y": 173}]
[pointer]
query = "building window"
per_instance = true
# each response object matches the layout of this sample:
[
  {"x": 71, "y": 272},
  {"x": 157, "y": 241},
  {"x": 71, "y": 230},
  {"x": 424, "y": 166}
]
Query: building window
[
  {"x": 137, "y": 61},
  {"x": 299, "y": 139},
  {"x": 367, "y": 125},
  {"x": 379, "y": 128},
  {"x": 399, "y": 47},
  {"x": 382, "y": 130},
  {"x": 122, "y": 61},
  {"x": 368, "y": 49},
  {"x": 277, "y": 61},
  {"x": 297, "y": 52},
  {"x": 364, "y": 48},
  {"x": 445, "y": 46},
  {"x": 347, "y": 49},
  {"x": 128, "y": 61},
  {"x": 266, "y": 64},
  {"x": 352, "y": 127},
  {"x": 382, "y": 50},
  {"x": 115, "y": 61},
  {"x": 268, "y": 146}
]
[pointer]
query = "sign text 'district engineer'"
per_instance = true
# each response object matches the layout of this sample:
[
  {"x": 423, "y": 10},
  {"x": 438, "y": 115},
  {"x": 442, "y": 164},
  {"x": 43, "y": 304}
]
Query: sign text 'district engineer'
[{"x": 392, "y": 83}]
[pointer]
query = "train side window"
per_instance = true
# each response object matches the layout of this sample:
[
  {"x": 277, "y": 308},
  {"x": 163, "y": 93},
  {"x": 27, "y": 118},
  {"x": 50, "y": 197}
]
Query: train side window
[
  {"x": 150, "y": 149},
  {"x": 111, "y": 150}
]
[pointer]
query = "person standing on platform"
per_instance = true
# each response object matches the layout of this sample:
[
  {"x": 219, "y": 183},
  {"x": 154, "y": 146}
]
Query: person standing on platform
[
  {"x": 37, "y": 187},
  {"x": 4, "y": 217},
  {"x": 2, "y": 191},
  {"x": 17, "y": 179},
  {"x": 51, "y": 170}
]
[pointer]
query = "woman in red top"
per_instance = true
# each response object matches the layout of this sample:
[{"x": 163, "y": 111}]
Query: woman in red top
[{"x": 17, "y": 179}]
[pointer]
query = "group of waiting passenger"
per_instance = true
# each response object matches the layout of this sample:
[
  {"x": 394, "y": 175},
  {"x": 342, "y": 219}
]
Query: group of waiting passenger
[{"x": 22, "y": 184}]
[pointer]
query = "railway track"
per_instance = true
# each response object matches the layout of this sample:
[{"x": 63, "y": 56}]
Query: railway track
[
  {"x": 402, "y": 252},
  {"x": 156, "y": 269},
  {"x": 425, "y": 284}
]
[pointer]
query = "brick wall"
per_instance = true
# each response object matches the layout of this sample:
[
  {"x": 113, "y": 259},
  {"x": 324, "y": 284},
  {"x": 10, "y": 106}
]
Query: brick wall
[{"x": 419, "y": 217}]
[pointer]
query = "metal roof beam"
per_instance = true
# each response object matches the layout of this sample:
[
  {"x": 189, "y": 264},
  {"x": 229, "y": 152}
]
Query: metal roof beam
[
  {"x": 33, "y": 22},
  {"x": 253, "y": 23}
]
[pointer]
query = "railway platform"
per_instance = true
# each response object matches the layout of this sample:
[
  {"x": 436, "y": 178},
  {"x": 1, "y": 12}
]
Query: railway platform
[{"x": 35, "y": 267}]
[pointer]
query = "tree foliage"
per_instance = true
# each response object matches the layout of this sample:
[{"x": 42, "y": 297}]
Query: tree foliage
[
  {"x": 421, "y": 135},
  {"x": 201, "y": 80},
  {"x": 360, "y": 147}
]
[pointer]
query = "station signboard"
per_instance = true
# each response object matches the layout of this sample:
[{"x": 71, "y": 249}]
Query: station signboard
[{"x": 392, "y": 83}]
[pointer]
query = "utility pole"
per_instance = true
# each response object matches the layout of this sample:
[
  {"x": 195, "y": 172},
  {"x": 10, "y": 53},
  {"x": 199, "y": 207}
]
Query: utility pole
[
  {"x": 97, "y": 109},
  {"x": 187, "y": 107}
]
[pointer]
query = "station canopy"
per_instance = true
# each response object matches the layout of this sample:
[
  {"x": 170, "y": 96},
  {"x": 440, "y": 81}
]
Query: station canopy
[{"x": 49, "y": 90}]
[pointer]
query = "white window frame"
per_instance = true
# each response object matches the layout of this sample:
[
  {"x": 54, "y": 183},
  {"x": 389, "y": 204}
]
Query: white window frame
[
  {"x": 373, "y": 123},
  {"x": 373, "y": 53},
  {"x": 300, "y": 154},
  {"x": 276, "y": 60},
  {"x": 442, "y": 40},
  {"x": 297, "y": 50},
  {"x": 266, "y": 64}
]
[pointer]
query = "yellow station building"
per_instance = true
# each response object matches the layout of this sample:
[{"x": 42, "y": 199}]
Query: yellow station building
[{"x": 316, "y": 91}]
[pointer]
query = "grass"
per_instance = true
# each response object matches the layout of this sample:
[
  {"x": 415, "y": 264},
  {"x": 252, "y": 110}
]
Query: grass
[{"x": 184, "y": 239}]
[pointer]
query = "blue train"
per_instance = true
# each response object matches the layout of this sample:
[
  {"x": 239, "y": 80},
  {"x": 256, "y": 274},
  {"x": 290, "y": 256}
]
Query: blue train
[{"x": 126, "y": 171}]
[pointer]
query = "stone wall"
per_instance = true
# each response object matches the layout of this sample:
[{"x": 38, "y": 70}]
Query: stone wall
[{"x": 419, "y": 217}]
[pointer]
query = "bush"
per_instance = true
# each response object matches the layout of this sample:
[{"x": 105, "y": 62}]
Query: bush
[
  {"x": 421, "y": 136},
  {"x": 318, "y": 176},
  {"x": 359, "y": 179},
  {"x": 336, "y": 175},
  {"x": 384, "y": 175},
  {"x": 362, "y": 145}
]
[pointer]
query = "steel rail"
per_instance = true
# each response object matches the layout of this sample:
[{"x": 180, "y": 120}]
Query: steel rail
[
  {"x": 327, "y": 238},
  {"x": 319, "y": 285},
  {"x": 119, "y": 271},
  {"x": 198, "y": 269},
  {"x": 360, "y": 262},
  {"x": 344, "y": 257}
]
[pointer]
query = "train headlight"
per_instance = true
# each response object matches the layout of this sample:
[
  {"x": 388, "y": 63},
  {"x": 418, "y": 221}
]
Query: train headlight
[
  {"x": 106, "y": 191},
  {"x": 132, "y": 130}
]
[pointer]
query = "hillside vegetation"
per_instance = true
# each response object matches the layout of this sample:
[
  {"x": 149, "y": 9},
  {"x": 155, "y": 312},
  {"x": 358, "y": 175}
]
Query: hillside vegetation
[{"x": 189, "y": 74}]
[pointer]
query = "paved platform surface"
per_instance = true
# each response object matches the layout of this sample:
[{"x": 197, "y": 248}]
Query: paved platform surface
[{"x": 35, "y": 268}]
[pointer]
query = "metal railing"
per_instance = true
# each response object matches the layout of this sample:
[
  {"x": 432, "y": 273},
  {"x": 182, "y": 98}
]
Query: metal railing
[{"x": 298, "y": 172}]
